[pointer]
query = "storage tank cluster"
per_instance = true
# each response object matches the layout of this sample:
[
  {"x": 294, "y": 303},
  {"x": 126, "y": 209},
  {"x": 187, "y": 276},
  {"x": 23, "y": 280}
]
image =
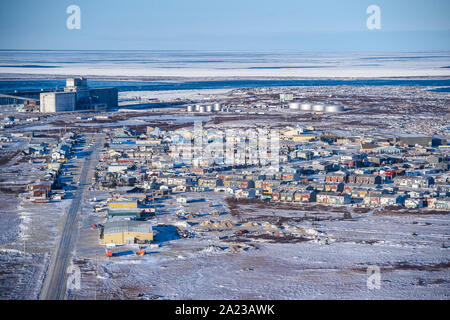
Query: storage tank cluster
[
  {"x": 315, "y": 107},
  {"x": 204, "y": 108}
]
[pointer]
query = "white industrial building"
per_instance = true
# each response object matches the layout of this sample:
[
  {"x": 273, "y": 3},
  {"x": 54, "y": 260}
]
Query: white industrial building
[{"x": 57, "y": 101}]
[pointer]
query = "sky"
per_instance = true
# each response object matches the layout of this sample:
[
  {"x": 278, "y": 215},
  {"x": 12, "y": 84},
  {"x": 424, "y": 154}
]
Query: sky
[{"x": 318, "y": 25}]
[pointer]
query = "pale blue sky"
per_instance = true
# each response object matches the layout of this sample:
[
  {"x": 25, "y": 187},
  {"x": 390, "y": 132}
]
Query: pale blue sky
[{"x": 319, "y": 25}]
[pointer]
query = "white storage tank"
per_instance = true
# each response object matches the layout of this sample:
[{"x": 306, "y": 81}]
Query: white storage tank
[
  {"x": 333, "y": 108},
  {"x": 209, "y": 108},
  {"x": 197, "y": 107},
  {"x": 190, "y": 108},
  {"x": 201, "y": 109},
  {"x": 294, "y": 106},
  {"x": 318, "y": 107},
  {"x": 305, "y": 107},
  {"x": 217, "y": 107}
]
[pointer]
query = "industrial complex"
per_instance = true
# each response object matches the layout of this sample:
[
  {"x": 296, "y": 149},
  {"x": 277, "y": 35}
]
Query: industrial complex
[{"x": 77, "y": 96}]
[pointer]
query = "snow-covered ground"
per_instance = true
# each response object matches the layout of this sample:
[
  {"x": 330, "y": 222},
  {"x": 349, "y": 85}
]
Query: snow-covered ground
[
  {"x": 411, "y": 252},
  {"x": 28, "y": 231}
]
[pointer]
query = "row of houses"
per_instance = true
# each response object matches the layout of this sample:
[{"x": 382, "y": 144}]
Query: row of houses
[
  {"x": 63, "y": 149},
  {"x": 41, "y": 191}
]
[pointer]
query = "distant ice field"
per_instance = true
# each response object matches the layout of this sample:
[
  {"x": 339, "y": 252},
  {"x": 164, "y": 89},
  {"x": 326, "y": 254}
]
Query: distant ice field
[{"x": 226, "y": 64}]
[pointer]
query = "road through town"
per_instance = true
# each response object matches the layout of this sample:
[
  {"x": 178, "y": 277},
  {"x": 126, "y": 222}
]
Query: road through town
[{"x": 55, "y": 282}]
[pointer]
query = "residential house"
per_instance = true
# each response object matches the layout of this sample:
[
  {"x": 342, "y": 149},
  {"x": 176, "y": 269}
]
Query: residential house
[
  {"x": 413, "y": 181},
  {"x": 364, "y": 179},
  {"x": 391, "y": 200},
  {"x": 305, "y": 196},
  {"x": 336, "y": 177},
  {"x": 333, "y": 198},
  {"x": 413, "y": 203}
]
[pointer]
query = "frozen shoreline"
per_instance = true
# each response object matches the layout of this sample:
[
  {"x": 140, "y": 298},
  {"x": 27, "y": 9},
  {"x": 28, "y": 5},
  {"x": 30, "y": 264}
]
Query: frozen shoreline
[{"x": 208, "y": 74}]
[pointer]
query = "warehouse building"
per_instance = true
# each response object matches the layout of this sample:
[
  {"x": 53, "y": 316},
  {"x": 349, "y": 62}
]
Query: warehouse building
[{"x": 127, "y": 232}]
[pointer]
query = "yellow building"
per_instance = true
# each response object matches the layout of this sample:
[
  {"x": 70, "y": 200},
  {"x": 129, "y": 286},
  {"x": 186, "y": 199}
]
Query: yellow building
[
  {"x": 127, "y": 232},
  {"x": 123, "y": 204},
  {"x": 227, "y": 183},
  {"x": 268, "y": 190}
]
